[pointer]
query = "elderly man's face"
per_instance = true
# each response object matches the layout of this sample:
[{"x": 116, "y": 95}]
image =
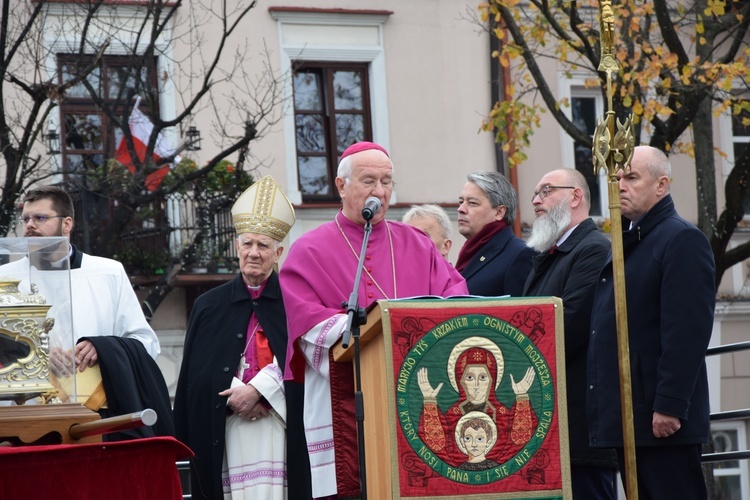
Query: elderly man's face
[
  {"x": 553, "y": 206},
  {"x": 257, "y": 253},
  {"x": 372, "y": 175},
  {"x": 475, "y": 210},
  {"x": 639, "y": 189},
  {"x": 431, "y": 227}
]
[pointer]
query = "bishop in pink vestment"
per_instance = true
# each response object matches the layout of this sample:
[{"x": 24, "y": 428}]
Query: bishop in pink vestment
[{"x": 318, "y": 275}]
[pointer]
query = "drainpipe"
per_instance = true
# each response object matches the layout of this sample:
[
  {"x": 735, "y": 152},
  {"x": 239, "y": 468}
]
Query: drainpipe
[{"x": 500, "y": 76}]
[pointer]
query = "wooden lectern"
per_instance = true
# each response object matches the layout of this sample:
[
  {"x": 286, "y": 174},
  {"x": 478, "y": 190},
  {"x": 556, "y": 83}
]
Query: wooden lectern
[
  {"x": 376, "y": 425},
  {"x": 406, "y": 343}
]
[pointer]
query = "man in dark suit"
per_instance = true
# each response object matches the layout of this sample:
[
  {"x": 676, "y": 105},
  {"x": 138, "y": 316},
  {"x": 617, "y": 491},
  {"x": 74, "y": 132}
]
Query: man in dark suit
[
  {"x": 572, "y": 252},
  {"x": 493, "y": 260},
  {"x": 669, "y": 281}
]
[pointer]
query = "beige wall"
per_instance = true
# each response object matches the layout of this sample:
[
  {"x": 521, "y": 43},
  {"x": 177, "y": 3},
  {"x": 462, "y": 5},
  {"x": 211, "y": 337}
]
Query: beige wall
[{"x": 437, "y": 87}]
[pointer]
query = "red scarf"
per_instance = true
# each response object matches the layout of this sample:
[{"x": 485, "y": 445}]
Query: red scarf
[{"x": 476, "y": 242}]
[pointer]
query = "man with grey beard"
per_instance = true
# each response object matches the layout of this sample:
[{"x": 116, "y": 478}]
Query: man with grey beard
[{"x": 572, "y": 253}]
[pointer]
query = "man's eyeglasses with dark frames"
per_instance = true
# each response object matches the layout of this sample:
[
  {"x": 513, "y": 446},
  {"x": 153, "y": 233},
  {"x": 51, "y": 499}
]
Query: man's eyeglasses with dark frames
[
  {"x": 38, "y": 219},
  {"x": 544, "y": 192}
]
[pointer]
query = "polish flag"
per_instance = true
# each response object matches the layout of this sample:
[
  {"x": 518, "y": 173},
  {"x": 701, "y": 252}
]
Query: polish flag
[{"x": 141, "y": 128}]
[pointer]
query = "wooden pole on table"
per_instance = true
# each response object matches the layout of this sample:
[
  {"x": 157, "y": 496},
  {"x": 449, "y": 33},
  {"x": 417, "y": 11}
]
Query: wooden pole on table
[{"x": 113, "y": 424}]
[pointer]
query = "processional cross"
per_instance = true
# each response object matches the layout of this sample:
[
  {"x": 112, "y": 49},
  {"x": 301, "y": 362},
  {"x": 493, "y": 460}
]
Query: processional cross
[{"x": 613, "y": 151}]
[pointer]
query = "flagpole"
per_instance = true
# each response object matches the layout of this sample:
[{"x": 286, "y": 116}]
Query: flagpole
[{"x": 613, "y": 150}]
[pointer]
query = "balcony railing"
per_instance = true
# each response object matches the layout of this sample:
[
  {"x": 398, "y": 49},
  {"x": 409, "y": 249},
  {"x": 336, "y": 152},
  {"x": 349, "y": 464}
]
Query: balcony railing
[{"x": 161, "y": 232}]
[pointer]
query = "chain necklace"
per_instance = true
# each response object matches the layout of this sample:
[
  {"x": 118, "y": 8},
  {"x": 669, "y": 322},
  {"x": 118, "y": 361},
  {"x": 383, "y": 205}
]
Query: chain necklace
[{"x": 393, "y": 259}]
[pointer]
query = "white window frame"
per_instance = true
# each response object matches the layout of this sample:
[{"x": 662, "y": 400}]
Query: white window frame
[
  {"x": 727, "y": 140},
  {"x": 742, "y": 470},
  {"x": 573, "y": 86},
  {"x": 372, "y": 54}
]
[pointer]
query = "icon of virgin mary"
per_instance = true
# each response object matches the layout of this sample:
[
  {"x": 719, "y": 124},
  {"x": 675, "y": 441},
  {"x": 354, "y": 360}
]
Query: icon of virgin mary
[{"x": 475, "y": 369}]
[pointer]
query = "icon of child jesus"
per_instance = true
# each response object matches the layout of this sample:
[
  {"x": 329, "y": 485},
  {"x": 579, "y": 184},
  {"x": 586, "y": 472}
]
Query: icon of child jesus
[{"x": 476, "y": 434}]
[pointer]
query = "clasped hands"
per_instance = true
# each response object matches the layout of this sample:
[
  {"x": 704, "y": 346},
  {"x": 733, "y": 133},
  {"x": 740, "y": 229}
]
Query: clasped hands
[{"x": 245, "y": 401}]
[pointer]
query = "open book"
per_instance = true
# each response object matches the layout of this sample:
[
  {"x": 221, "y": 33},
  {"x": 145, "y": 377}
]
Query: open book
[
  {"x": 427, "y": 297},
  {"x": 89, "y": 389}
]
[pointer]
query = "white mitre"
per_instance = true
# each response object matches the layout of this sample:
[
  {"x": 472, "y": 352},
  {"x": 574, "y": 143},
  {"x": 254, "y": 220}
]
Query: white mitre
[{"x": 263, "y": 209}]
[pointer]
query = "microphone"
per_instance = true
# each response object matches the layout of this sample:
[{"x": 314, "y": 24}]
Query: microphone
[{"x": 372, "y": 205}]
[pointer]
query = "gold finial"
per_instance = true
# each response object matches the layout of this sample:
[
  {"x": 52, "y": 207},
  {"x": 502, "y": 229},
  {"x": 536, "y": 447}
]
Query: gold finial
[
  {"x": 612, "y": 150},
  {"x": 607, "y": 61}
]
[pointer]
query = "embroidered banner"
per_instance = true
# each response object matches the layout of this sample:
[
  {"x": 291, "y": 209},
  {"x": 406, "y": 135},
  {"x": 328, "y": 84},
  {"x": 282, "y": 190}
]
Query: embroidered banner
[{"x": 478, "y": 398}]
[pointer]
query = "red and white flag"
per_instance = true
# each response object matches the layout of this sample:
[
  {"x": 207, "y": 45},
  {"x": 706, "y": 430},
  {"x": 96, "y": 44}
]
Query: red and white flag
[{"x": 141, "y": 128}]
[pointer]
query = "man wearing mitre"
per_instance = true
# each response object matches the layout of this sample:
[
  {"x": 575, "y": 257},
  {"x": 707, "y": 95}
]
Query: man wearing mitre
[{"x": 230, "y": 405}]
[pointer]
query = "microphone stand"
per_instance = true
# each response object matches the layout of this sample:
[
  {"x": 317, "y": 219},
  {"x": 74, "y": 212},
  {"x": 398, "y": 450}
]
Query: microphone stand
[{"x": 357, "y": 317}]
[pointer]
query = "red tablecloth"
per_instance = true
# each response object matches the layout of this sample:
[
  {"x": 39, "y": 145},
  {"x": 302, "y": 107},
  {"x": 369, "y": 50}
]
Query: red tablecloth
[{"x": 137, "y": 469}]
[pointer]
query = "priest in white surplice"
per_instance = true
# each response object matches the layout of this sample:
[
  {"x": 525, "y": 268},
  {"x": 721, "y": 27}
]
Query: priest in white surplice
[
  {"x": 230, "y": 405},
  {"x": 99, "y": 294},
  {"x": 97, "y": 317}
]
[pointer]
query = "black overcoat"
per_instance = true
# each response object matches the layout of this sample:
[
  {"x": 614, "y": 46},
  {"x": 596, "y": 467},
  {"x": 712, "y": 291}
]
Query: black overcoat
[
  {"x": 214, "y": 342},
  {"x": 500, "y": 267},
  {"x": 669, "y": 280},
  {"x": 571, "y": 272}
]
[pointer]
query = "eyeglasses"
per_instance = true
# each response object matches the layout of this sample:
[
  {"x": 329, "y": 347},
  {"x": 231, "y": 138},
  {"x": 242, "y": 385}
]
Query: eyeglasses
[
  {"x": 371, "y": 183},
  {"x": 544, "y": 192},
  {"x": 38, "y": 219}
]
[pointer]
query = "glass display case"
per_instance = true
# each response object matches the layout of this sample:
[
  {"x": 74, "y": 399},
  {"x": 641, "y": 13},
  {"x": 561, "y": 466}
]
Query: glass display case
[{"x": 37, "y": 336}]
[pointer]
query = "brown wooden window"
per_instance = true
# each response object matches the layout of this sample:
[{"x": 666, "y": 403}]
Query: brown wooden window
[
  {"x": 88, "y": 138},
  {"x": 331, "y": 111}
]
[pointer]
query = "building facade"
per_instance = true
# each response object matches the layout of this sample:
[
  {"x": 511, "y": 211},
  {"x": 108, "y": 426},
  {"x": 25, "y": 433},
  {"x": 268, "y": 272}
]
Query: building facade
[{"x": 415, "y": 77}]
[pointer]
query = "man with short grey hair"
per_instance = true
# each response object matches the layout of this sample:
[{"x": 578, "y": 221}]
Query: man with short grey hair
[
  {"x": 434, "y": 222},
  {"x": 493, "y": 260},
  {"x": 669, "y": 280}
]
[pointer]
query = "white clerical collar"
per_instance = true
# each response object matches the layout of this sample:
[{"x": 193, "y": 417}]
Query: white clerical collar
[
  {"x": 565, "y": 235},
  {"x": 58, "y": 264},
  {"x": 258, "y": 287}
]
